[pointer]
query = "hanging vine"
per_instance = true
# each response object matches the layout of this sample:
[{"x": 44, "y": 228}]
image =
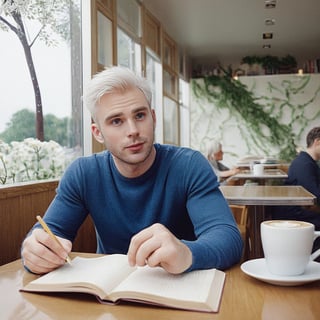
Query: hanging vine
[{"x": 263, "y": 125}]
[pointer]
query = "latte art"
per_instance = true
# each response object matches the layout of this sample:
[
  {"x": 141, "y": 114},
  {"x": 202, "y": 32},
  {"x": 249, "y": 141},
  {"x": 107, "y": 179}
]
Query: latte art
[{"x": 287, "y": 224}]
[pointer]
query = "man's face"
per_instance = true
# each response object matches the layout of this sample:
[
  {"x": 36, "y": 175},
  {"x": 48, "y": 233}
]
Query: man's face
[{"x": 125, "y": 124}]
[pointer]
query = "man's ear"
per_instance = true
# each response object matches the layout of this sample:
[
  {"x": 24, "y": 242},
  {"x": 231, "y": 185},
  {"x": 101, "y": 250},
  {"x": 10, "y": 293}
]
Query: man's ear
[
  {"x": 97, "y": 133},
  {"x": 153, "y": 113}
]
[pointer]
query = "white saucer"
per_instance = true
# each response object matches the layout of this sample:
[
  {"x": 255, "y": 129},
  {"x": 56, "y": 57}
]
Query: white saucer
[{"x": 257, "y": 269}]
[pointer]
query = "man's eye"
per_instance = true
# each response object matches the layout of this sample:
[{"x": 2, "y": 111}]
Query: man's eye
[
  {"x": 140, "y": 115},
  {"x": 116, "y": 122}
]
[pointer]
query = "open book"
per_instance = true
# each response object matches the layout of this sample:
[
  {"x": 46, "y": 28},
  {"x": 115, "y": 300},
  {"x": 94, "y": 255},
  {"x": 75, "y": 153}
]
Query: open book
[{"x": 111, "y": 279}]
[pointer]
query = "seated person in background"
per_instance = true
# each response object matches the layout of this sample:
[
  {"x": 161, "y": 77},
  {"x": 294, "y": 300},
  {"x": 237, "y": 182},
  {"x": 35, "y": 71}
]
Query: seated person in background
[
  {"x": 304, "y": 171},
  {"x": 215, "y": 156},
  {"x": 159, "y": 204}
]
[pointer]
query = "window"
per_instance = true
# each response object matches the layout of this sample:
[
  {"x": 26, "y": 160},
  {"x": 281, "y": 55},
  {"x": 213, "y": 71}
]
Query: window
[
  {"x": 129, "y": 52},
  {"x": 129, "y": 33},
  {"x": 129, "y": 16},
  {"x": 184, "y": 113},
  {"x": 54, "y": 112},
  {"x": 170, "y": 121},
  {"x": 154, "y": 76},
  {"x": 171, "y": 114},
  {"x": 104, "y": 41}
]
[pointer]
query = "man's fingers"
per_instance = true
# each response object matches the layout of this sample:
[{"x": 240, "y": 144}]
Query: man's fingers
[
  {"x": 42, "y": 254},
  {"x": 147, "y": 250},
  {"x": 135, "y": 244}
]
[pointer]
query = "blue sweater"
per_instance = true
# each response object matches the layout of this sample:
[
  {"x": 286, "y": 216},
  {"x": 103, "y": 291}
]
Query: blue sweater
[
  {"x": 303, "y": 171},
  {"x": 179, "y": 191}
]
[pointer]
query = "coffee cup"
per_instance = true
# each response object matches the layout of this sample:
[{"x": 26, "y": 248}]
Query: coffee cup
[
  {"x": 258, "y": 169},
  {"x": 287, "y": 246}
]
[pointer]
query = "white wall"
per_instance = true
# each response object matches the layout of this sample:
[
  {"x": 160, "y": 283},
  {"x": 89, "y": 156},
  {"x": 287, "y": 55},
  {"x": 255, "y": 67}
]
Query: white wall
[{"x": 300, "y": 109}]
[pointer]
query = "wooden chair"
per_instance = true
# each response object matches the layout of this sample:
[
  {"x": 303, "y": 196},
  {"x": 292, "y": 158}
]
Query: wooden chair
[{"x": 240, "y": 214}]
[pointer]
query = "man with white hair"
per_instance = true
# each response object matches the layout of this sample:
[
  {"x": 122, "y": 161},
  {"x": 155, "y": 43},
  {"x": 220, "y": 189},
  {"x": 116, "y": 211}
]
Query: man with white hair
[{"x": 159, "y": 204}]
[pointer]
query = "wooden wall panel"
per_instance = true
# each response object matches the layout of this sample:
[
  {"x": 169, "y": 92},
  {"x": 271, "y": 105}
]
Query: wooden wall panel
[{"x": 19, "y": 205}]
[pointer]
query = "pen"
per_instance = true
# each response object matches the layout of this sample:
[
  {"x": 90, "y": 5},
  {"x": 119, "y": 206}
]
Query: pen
[{"x": 46, "y": 228}]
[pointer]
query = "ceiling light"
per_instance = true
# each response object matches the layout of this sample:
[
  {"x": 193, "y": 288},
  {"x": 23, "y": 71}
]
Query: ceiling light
[
  {"x": 270, "y": 4},
  {"x": 266, "y": 46},
  {"x": 269, "y": 22},
  {"x": 267, "y": 35}
]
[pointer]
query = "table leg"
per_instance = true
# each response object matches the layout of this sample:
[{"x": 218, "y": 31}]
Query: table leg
[{"x": 257, "y": 215}]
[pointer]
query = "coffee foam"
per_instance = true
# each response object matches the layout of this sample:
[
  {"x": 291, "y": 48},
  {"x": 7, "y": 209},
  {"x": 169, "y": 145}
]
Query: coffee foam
[{"x": 287, "y": 224}]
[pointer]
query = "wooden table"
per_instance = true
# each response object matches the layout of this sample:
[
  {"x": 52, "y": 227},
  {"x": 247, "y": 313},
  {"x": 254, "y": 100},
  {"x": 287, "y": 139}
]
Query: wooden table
[
  {"x": 268, "y": 176},
  {"x": 257, "y": 197},
  {"x": 243, "y": 298}
]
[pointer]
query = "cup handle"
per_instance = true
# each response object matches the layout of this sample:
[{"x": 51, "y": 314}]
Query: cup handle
[{"x": 315, "y": 254}]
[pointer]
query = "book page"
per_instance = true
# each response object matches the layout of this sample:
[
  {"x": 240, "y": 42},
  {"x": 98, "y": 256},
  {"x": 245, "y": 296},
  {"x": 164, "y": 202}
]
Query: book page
[
  {"x": 193, "y": 286},
  {"x": 104, "y": 272}
]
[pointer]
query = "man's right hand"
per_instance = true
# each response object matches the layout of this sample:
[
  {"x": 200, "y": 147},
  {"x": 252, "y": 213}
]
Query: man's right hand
[{"x": 41, "y": 254}]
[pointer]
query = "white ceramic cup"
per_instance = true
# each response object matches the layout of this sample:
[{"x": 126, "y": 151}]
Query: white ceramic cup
[
  {"x": 258, "y": 169},
  {"x": 287, "y": 246}
]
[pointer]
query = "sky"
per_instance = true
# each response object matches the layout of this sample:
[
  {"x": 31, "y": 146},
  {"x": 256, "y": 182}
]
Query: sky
[{"x": 53, "y": 70}]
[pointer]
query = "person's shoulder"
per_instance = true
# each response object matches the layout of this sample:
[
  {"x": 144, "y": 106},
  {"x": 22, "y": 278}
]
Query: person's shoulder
[
  {"x": 302, "y": 157},
  {"x": 182, "y": 158},
  {"x": 176, "y": 151},
  {"x": 91, "y": 160}
]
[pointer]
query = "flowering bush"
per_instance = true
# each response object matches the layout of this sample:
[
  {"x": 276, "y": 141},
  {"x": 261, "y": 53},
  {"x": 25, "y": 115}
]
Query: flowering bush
[{"x": 32, "y": 159}]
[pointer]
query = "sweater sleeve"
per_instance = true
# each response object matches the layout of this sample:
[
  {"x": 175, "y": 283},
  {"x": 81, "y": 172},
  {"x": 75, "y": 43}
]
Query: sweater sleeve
[{"x": 219, "y": 243}]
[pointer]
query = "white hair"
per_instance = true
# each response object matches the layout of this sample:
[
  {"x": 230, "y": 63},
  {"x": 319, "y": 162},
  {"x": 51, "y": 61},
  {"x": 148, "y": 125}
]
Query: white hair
[
  {"x": 114, "y": 79},
  {"x": 214, "y": 147}
]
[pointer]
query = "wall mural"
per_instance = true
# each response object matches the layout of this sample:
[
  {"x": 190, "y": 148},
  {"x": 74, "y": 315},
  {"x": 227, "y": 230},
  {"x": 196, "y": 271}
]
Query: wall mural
[{"x": 255, "y": 115}]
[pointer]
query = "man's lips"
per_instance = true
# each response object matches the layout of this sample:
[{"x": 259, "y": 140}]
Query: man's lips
[{"x": 135, "y": 147}]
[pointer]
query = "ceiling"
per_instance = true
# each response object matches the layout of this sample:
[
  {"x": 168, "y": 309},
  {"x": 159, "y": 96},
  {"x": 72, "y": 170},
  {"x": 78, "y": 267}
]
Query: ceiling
[{"x": 227, "y": 30}]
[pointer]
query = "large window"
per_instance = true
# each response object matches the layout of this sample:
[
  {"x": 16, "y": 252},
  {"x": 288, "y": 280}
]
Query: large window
[
  {"x": 154, "y": 76},
  {"x": 129, "y": 52},
  {"x": 128, "y": 34},
  {"x": 41, "y": 90},
  {"x": 104, "y": 41},
  {"x": 184, "y": 113}
]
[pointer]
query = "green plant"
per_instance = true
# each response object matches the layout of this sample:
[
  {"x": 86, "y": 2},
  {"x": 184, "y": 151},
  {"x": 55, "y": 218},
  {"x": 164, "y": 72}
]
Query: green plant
[
  {"x": 250, "y": 60},
  {"x": 263, "y": 128},
  {"x": 288, "y": 61},
  {"x": 270, "y": 62}
]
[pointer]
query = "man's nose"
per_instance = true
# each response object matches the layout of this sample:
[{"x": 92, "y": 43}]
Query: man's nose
[{"x": 132, "y": 128}]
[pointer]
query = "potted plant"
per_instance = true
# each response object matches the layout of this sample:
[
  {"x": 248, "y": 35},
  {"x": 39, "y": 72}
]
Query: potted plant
[
  {"x": 288, "y": 64},
  {"x": 253, "y": 62},
  {"x": 270, "y": 64}
]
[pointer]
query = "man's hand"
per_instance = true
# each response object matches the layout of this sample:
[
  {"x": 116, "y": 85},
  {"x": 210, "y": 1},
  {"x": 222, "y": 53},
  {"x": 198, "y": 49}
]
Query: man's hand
[
  {"x": 41, "y": 254},
  {"x": 157, "y": 246}
]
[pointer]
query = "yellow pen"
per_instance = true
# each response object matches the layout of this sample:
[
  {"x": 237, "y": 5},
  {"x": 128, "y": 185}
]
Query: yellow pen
[{"x": 46, "y": 228}]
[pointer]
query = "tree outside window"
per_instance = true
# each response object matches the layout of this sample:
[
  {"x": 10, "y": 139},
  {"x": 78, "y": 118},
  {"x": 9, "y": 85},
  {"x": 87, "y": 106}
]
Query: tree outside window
[{"x": 40, "y": 79}]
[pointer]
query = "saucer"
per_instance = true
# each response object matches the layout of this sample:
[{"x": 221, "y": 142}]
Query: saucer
[{"x": 257, "y": 268}]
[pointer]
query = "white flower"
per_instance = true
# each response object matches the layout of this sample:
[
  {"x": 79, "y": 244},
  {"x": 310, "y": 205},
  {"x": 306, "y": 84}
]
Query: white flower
[{"x": 32, "y": 159}]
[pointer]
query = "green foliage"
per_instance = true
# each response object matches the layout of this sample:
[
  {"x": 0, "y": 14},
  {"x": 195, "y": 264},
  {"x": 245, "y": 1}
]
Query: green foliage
[
  {"x": 250, "y": 60},
  {"x": 288, "y": 61},
  {"x": 271, "y": 62},
  {"x": 53, "y": 16},
  {"x": 22, "y": 126},
  {"x": 263, "y": 127},
  {"x": 56, "y": 129}
]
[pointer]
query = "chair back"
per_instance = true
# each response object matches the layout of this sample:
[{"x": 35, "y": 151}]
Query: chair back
[{"x": 240, "y": 214}]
